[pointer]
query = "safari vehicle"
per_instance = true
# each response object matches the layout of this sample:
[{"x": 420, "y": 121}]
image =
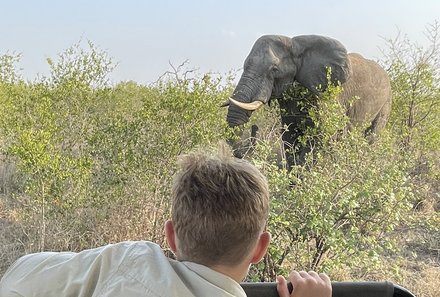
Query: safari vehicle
[{"x": 340, "y": 289}]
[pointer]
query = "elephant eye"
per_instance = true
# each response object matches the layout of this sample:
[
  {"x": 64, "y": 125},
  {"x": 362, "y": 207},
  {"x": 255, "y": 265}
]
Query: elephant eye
[{"x": 275, "y": 69}]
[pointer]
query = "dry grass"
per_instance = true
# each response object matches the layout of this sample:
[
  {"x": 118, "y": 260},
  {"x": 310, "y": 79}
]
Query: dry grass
[
  {"x": 138, "y": 215},
  {"x": 12, "y": 246},
  {"x": 421, "y": 279},
  {"x": 424, "y": 283}
]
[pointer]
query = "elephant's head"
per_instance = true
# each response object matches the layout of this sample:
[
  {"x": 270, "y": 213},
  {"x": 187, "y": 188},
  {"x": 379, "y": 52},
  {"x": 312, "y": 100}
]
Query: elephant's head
[{"x": 275, "y": 62}]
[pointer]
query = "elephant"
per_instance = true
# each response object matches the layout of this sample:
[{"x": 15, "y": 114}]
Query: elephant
[{"x": 277, "y": 62}]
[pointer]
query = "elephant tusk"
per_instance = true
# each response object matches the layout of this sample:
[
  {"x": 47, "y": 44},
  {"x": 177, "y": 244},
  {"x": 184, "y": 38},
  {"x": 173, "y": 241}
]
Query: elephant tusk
[{"x": 247, "y": 106}]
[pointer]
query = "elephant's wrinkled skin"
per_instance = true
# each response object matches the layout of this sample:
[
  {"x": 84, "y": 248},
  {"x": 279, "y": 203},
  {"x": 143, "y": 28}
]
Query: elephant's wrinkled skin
[{"x": 276, "y": 62}]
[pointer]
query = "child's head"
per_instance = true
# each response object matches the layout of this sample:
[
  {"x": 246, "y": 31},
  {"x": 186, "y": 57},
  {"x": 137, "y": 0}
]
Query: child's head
[{"x": 220, "y": 207}]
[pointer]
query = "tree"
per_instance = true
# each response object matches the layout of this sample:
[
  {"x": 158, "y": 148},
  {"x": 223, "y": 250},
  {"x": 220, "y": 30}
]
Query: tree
[{"x": 415, "y": 75}]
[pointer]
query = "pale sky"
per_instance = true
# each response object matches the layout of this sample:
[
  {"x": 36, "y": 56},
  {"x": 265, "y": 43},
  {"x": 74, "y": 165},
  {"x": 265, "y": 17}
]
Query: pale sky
[{"x": 215, "y": 36}]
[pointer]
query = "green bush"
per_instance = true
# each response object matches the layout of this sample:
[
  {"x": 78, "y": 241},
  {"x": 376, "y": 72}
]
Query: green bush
[
  {"x": 94, "y": 161},
  {"x": 340, "y": 207}
]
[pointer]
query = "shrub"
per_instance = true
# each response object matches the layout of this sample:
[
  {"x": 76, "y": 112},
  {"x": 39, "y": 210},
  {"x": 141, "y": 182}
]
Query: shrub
[{"x": 93, "y": 161}]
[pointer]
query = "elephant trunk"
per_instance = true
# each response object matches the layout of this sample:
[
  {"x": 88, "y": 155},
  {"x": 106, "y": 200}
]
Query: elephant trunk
[
  {"x": 248, "y": 91},
  {"x": 237, "y": 116},
  {"x": 251, "y": 92}
]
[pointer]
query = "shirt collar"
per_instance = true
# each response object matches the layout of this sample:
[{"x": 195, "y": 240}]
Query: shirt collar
[{"x": 216, "y": 278}]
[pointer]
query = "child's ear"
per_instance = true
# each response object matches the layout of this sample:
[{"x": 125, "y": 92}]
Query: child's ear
[
  {"x": 261, "y": 248},
  {"x": 170, "y": 235}
]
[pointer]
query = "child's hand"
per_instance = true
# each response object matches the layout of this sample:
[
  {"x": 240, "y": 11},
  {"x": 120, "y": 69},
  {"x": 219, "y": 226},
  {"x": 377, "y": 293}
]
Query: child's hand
[{"x": 305, "y": 284}]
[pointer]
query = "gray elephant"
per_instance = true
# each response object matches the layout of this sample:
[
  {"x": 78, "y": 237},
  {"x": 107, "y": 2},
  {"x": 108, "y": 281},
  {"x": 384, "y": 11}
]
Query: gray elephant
[{"x": 277, "y": 62}]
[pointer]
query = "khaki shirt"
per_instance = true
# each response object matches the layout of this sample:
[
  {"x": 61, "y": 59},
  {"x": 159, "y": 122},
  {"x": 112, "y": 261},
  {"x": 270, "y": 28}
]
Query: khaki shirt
[{"x": 124, "y": 269}]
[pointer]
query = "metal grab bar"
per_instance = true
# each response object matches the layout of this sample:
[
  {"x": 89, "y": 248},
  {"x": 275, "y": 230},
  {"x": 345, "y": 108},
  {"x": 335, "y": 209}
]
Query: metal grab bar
[{"x": 339, "y": 289}]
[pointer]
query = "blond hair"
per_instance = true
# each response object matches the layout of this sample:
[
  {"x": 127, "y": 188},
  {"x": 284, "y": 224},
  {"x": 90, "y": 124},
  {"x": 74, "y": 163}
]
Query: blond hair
[{"x": 220, "y": 207}]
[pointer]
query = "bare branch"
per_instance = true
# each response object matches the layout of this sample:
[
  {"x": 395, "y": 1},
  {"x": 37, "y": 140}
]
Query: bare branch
[{"x": 178, "y": 74}]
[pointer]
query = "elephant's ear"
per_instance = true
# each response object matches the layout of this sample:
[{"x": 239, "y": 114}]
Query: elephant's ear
[{"x": 315, "y": 55}]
